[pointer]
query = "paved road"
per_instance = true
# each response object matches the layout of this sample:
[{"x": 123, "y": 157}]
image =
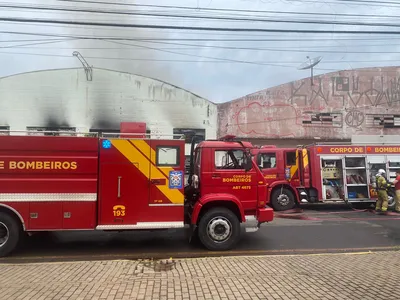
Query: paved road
[{"x": 318, "y": 229}]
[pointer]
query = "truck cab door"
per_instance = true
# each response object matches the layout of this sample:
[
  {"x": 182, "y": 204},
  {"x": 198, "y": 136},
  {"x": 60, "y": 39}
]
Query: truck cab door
[
  {"x": 167, "y": 173},
  {"x": 228, "y": 175},
  {"x": 267, "y": 162},
  {"x": 292, "y": 167}
]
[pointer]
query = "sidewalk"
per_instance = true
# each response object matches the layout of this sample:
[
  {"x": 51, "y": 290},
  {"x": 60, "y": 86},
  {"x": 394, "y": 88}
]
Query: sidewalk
[{"x": 332, "y": 276}]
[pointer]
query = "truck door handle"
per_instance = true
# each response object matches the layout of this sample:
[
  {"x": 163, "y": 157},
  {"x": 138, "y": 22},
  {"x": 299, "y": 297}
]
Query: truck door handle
[
  {"x": 158, "y": 181},
  {"x": 216, "y": 176},
  {"x": 119, "y": 187}
]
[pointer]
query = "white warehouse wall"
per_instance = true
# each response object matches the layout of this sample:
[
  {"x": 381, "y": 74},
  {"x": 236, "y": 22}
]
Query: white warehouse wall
[{"x": 58, "y": 98}]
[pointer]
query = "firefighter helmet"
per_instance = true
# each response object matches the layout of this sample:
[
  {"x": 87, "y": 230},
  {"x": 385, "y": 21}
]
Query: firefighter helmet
[{"x": 381, "y": 171}]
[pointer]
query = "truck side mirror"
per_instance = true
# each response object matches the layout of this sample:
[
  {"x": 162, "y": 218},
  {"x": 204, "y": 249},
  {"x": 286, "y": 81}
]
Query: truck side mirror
[{"x": 248, "y": 164}]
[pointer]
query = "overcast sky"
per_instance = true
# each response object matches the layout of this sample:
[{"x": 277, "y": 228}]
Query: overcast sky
[{"x": 220, "y": 71}]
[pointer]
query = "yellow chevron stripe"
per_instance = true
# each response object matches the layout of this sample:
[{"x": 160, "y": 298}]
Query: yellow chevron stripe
[
  {"x": 305, "y": 158},
  {"x": 294, "y": 168},
  {"x": 151, "y": 154},
  {"x": 145, "y": 148},
  {"x": 147, "y": 169}
]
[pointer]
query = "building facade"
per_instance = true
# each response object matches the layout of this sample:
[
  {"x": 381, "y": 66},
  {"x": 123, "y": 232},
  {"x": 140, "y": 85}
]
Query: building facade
[
  {"x": 72, "y": 100},
  {"x": 332, "y": 107}
]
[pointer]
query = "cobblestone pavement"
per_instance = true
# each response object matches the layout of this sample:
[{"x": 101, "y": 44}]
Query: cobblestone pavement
[{"x": 327, "y": 276}]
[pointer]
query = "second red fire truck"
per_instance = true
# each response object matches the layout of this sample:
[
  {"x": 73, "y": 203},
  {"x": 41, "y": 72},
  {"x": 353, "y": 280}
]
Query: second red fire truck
[
  {"x": 128, "y": 182},
  {"x": 325, "y": 173}
]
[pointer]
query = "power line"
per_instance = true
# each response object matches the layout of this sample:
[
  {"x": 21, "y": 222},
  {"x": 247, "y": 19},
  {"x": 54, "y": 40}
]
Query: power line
[
  {"x": 85, "y": 10},
  {"x": 206, "y": 8},
  {"x": 223, "y": 47},
  {"x": 87, "y": 37},
  {"x": 194, "y": 55},
  {"x": 197, "y": 47},
  {"x": 358, "y": 2},
  {"x": 211, "y": 33},
  {"x": 34, "y": 40},
  {"x": 271, "y": 49},
  {"x": 199, "y": 28},
  {"x": 216, "y": 60},
  {"x": 33, "y": 44},
  {"x": 353, "y": 3}
]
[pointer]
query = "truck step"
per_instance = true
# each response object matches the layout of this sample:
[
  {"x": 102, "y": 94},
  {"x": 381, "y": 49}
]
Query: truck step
[
  {"x": 252, "y": 229},
  {"x": 251, "y": 219},
  {"x": 303, "y": 196},
  {"x": 251, "y": 224},
  {"x": 333, "y": 201}
]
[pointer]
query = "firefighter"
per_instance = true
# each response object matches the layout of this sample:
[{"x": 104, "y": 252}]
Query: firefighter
[
  {"x": 396, "y": 183},
  {"x": 381, "y": 187}
]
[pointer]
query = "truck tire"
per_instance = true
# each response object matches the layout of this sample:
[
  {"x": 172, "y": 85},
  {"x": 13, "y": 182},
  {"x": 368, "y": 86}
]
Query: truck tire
[
  {"x": 391, "y": 199},
  {"x": 10, "y": 232},
  {"x": 282, "y": 199},
  {"x": 219, "y": 229}
]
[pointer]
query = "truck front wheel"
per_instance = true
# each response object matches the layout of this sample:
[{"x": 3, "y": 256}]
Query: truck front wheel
[
  {"x": 10, "y": 232},
  {"x": 282, "y": 199},
  {"x": 219, "y": 229}
]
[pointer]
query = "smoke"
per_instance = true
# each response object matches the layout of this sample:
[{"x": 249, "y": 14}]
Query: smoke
[
  {"x": 105, "y": 124},
  {"x": 52, "y": 123},
  {"x": 120, "y": 55}
]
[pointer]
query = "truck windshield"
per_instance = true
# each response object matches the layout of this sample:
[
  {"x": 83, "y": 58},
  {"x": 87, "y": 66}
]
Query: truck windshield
[
  {"x": 267, "y": 160},
  {"x": 197, "y": 161},
  {"x": 229, "y": 159}
]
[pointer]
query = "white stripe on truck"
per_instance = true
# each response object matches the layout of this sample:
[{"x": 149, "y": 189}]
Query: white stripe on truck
[{"x": 48, "y": 197}]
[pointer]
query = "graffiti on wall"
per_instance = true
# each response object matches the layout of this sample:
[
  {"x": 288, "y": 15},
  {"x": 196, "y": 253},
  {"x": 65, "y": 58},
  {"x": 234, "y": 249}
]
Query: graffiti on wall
[
  {"x": 378, "y": 91},
  {"x": 337, "y": 105},
  {"x": 264, "y": 118}
]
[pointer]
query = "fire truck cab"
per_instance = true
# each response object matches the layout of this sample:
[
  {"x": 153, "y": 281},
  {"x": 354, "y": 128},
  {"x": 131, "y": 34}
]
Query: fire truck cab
[
  {"x": 325, "y": 173},
  {"x": 283, "y": 176},
  {"x": 124, "y": 181}
]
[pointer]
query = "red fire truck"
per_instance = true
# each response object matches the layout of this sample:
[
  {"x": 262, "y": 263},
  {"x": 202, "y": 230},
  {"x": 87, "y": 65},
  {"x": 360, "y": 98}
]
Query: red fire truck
[
  {"x": 325, "y": 173},
  {"x": 128, "y": 182}
]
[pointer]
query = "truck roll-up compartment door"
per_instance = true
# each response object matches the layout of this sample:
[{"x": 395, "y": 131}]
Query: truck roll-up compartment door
[
  {"x": 356, "y": 178},
  {"x": 332, "y": 177},
  {"x": 374, "y": 163},
  {"x": 393, "y": 166}
]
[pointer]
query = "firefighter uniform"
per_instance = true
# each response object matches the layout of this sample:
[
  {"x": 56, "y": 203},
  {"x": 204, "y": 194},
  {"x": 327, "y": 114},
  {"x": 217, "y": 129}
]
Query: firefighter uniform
[
  {"x": 381, "y": 186},
  {"x": 397, "y": 191}
]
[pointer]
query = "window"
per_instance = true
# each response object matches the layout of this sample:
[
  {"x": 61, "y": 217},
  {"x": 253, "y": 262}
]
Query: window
[
  {"x": 99, "y": 130},
  {"x": 290, "y": 158},
  {"x": 197, "y": 161},
  {"x": 197, "y": 156},
  {"x": 2, "y": 130},
  {"x": 167, "y": 156},
  {"x": 229, "y": 159},
  {"x": 189, "y": 133},
  {"x": 266, "y": 160},
  {"x": 54, "y": 131}
]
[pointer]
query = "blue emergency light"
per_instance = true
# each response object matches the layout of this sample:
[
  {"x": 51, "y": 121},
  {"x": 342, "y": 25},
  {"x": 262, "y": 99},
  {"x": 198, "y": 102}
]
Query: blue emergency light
[{"x": 106, "y": 144}]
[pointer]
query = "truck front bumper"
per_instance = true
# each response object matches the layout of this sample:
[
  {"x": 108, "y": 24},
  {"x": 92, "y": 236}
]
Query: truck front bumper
[
  {"x": 253, "y": 223},
  {"x": 265, "y": 214}
]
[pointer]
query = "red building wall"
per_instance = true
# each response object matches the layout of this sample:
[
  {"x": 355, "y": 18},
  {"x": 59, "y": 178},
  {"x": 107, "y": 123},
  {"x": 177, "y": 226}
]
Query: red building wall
[{"x": 337, "y": 106}]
